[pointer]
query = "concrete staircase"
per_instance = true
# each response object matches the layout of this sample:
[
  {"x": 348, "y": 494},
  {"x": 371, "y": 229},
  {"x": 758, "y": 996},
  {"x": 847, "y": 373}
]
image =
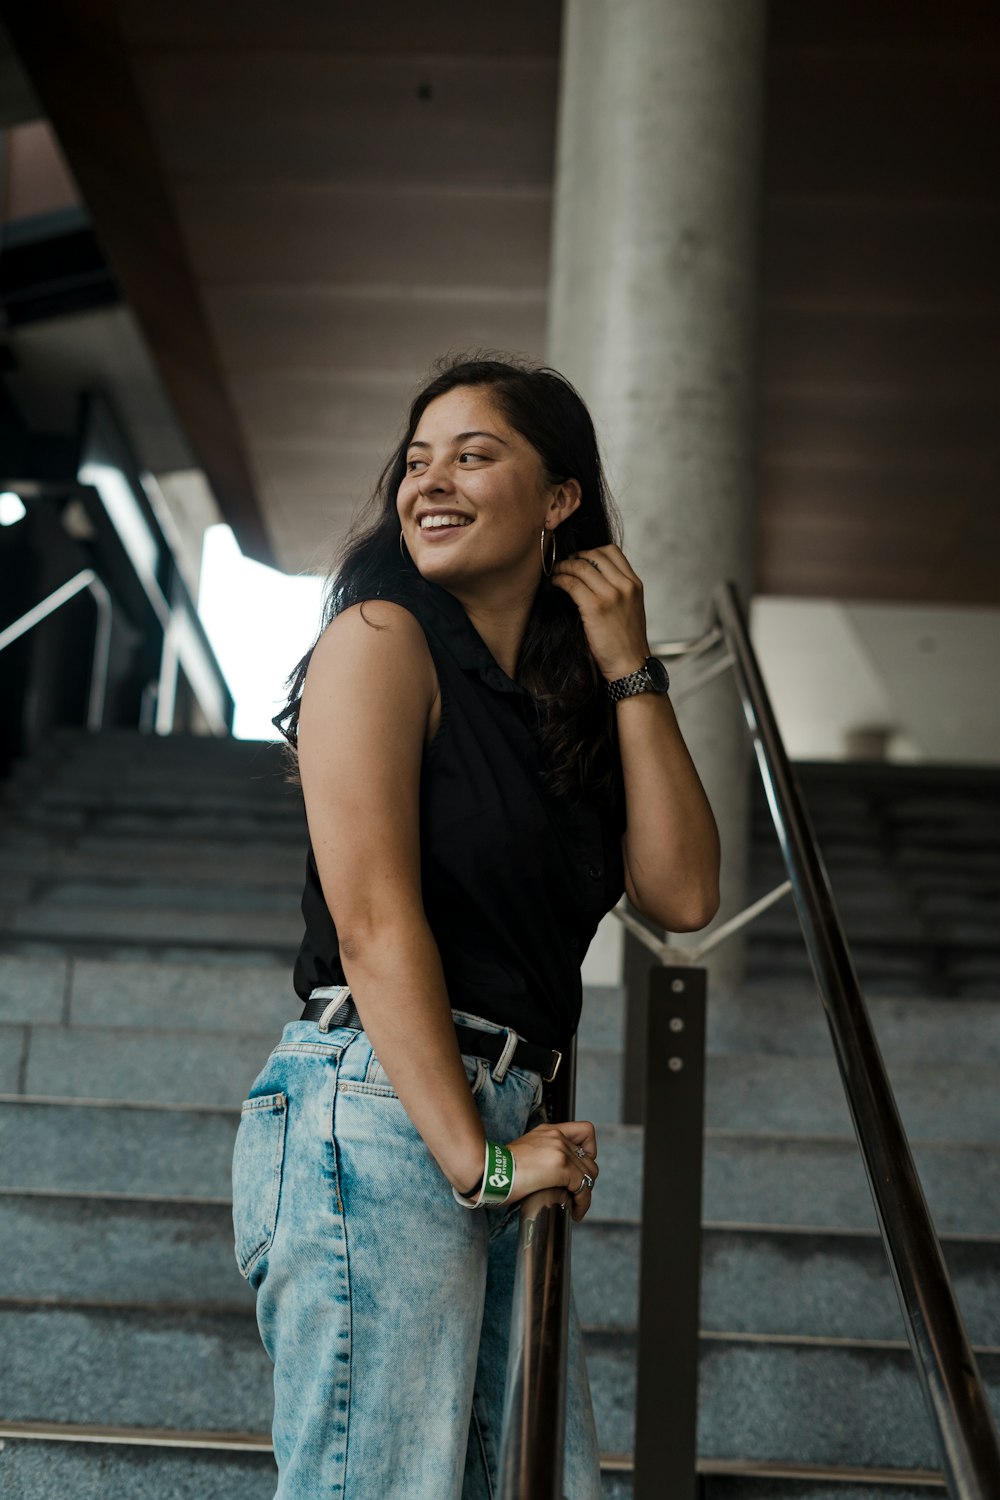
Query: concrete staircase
[{"x": 148, "y": 914}]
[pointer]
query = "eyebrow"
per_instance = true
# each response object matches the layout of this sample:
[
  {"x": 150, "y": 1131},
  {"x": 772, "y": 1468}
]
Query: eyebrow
[{"x": 460, "y": 437}]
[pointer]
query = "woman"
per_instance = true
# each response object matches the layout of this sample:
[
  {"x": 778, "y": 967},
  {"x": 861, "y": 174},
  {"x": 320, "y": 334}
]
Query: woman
[{"x": 487, "y": 759}]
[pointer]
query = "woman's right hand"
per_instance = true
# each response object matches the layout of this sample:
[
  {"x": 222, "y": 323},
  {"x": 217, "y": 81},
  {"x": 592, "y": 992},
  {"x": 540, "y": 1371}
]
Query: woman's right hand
[{"x": 549, "y": 1156}]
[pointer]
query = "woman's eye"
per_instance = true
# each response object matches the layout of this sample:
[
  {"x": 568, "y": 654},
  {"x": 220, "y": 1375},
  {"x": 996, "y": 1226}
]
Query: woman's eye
[
  {"x": 470, "y": 455},
  {"x": 410, "y": 463}
]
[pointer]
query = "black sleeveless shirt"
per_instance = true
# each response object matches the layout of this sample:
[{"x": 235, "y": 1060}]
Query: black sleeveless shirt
[{"x": 514, "y": 880}]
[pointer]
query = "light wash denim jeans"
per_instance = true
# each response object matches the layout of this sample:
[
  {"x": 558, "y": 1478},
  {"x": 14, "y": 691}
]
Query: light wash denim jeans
[{"x": 383, "y": 1304}]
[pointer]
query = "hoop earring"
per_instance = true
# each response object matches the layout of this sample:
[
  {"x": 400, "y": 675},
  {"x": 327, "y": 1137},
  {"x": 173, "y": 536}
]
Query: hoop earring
[
  {"x": 552, "y": 555},
  {"x": 402, "y": 547}
]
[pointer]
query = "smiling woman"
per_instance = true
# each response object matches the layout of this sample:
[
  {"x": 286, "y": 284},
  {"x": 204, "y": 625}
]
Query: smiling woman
[{"x": 488, "y": 758}]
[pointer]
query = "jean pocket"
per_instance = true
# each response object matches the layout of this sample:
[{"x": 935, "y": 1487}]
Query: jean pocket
[
  {"x": 258, "y": 1156},
  {"x": 377, "y": 1080}
]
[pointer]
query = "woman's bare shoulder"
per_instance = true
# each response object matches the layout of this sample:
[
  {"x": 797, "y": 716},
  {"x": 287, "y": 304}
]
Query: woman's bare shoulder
[
  {"x": 375, "y": 642},
  {"x": 371, "y": 630}
]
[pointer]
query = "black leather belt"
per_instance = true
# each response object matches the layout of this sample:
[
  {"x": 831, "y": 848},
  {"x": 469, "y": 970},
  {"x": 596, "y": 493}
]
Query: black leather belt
[{"x": 473, "y": 1042}]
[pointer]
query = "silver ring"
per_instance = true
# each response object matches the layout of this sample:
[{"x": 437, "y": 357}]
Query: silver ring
[
  {"x": 580, "y": 1152},
  {"x": 587, "y": 1182}
]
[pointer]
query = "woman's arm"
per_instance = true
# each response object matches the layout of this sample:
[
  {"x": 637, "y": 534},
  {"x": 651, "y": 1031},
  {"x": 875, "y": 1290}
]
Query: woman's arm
[
  {"x": 366, "y": 709},
  {"x": 671, "y": 843},
  {"x": 364, "y": 715}
]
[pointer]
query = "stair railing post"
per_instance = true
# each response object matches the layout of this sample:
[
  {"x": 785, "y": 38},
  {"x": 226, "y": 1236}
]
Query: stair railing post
[
  {"x": 666, "y": 1409},
  {"x": 638, "y": 963}
]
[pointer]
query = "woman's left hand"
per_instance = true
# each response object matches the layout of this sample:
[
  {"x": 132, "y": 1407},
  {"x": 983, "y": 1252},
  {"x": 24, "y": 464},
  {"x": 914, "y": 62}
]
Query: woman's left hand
[{"x": 608, "y": 594}]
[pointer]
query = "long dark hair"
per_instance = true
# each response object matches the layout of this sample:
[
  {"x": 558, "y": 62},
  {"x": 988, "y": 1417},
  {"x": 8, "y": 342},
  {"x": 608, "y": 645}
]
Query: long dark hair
[{"x": 574, "y": 718}]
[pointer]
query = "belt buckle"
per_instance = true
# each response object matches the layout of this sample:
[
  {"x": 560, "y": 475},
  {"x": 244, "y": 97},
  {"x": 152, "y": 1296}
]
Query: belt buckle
[{"x": 558, "y": 1057}]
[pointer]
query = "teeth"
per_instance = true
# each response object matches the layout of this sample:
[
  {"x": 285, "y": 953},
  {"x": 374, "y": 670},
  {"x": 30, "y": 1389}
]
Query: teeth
[{"x": 426, "y": 522}]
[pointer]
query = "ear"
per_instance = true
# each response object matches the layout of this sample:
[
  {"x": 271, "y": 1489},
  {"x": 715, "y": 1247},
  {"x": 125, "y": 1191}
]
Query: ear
[{"x": 564, "y": 499}]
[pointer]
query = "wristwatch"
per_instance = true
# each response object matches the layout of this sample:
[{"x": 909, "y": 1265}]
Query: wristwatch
[{"x": 651, "y": 677}]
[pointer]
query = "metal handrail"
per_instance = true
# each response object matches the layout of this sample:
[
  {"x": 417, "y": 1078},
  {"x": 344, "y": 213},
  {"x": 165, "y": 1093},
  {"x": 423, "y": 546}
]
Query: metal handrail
[
  {"x": 534, "y": 1420},
  {"x": 535, "y": 1406},
  {"x": 946, "y": 1366},
  {"x": 85, "y": 579}
]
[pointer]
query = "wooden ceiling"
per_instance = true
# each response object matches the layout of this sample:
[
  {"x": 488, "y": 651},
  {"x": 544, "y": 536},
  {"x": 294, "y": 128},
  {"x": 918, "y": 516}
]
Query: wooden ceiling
[
  {"x": 880, "y": 441},
  {"x": 306, "y": 205}
]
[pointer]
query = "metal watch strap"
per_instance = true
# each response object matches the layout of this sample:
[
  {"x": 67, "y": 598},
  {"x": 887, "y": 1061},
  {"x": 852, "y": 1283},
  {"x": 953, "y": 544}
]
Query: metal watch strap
[
  {"x": 639, "y": 681},
  {"x": 627, "y": 687}
]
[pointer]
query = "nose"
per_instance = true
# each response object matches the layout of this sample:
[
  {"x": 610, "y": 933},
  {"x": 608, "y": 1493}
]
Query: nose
[{"x": 434, "y": 479}]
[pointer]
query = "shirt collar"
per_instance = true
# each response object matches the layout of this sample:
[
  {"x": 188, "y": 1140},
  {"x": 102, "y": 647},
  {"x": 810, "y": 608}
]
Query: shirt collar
[{"x": 448, "y": 619}]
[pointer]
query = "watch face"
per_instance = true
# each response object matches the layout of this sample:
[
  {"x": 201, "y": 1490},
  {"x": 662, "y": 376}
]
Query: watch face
[{"x": 659, "y": 681}]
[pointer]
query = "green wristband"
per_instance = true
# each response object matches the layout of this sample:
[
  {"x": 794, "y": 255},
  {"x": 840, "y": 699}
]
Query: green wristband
[{"x": 498, "y": 1179}]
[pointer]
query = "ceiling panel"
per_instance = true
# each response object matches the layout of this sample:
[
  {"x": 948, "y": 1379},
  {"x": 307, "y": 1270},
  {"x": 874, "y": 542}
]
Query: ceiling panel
[
  {"x": 899, "y": 26},
  {"x": 921, "y": 350},
  {"x": 329, "y": 329},
  {"x": 867, "y": 425},
  {"x": 908, "y": 124},
  {"x": 873, "y": 252},
  {"x": 290, "y": 407},
  {"x": 522, "y": 27},
  {"x": 294, "y": 232},
  {"x": 481, "y": 120}
]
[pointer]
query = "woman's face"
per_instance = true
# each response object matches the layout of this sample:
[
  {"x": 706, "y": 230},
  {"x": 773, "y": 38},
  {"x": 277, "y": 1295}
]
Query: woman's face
[{"x": 475, "y": 496}]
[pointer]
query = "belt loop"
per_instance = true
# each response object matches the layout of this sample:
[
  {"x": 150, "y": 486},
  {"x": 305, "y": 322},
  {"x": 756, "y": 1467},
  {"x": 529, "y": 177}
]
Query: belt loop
[
  {"x": 503, "y": 1062},
  {"x": 340, "y": 1002}
]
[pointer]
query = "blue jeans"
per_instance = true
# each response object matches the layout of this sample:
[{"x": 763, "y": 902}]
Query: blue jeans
[{"x": 382, "y": 1303}]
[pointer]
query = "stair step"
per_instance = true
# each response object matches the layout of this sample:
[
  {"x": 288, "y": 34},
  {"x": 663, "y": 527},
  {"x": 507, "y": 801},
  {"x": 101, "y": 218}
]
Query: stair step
[
  {"x": 777, "y": 1094},
  {"x": 754, "y": 1280},
  {"x": 805, "y": 1095},
  {"x": 783, "y": 1281},
  {"x": 135, "y": 1468},
  {"x": 34, "y": 1470},
  {"x": 789, "y": 1401},
  {"x": 809, "y": 1401},
  {"x": 180, "y": 863},
  {"x": 928, "y": 967},
  {"x": 199, "y": 997},
  {"x": 119, "y": 892},
  {"x": 788, "y": 1019},
  {"x": 266, "y": 779},
  {"x": 169, "y": 799},
  {"x": 763, "y": 1179},
  {"x": 783, "y": 1018},
  {"x": 114, "y": 950},
  {"x": 165, "y": 1066},
  {"x": 143, "y": 1066},
  {"x": 87, "y": 1148},
  {"x": 791, "y": 1484},
  {"x": 281, "y": 928},
  {"x": 284, "y": 828}
]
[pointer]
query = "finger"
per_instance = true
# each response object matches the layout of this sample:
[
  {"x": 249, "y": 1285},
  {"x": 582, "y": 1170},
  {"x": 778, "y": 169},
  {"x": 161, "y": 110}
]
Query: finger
[
  {"x": 580, "y": 1133},
  {"x": 617, "y": 555},
  {"x": 580, "y": 1205},
  {"x": 588, "y": 578},
  {"x": 587, "y": 1164},
  {"x": 609, "y": 553},
  {"x": 609, "y": 562}
]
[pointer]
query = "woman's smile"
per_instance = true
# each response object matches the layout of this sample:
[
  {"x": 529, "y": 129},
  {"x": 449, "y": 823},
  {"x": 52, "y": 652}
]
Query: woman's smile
[{"x": 440, "y": 522}]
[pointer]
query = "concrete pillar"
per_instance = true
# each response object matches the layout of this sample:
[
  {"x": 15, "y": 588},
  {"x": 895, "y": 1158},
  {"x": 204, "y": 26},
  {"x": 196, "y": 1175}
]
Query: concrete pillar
[{"x": 654, "y": 315}]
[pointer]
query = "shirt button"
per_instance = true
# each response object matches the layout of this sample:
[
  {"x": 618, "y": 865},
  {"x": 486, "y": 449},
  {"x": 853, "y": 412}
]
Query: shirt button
[{"x": 595, "y": 872}]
